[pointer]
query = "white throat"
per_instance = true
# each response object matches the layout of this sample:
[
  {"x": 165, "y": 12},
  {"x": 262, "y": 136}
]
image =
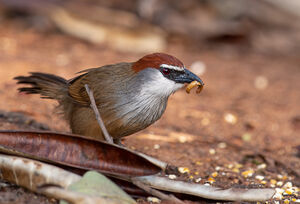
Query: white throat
[{"x": 159, "y": 86}]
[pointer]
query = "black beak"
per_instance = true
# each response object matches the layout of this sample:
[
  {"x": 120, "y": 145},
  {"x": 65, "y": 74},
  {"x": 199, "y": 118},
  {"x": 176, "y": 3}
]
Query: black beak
[{"x": 188, "y": 77}]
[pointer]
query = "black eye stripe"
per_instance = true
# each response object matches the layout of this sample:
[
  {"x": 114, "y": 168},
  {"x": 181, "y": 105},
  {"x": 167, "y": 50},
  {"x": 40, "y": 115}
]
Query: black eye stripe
[{"x": 170, "y": 73}]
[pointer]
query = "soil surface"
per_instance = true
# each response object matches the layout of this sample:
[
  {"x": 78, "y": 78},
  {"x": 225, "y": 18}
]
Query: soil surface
[{"x": 245, "y": 122}]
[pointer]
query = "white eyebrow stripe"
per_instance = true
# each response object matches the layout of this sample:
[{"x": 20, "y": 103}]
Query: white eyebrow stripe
[{"x": 172, "y": 67}]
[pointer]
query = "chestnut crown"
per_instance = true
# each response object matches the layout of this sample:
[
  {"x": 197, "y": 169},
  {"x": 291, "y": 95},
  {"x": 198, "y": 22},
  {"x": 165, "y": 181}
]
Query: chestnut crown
[
  {"x": 158, "y": 60},
  {"x": 169, "y": 66}
]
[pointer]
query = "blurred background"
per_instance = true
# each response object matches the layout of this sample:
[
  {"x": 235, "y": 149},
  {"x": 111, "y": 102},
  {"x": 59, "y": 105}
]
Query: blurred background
[{"x": 246, "y": 51}]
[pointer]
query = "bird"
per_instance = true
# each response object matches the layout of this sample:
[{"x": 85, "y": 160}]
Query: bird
[{"x": 130, "y": 96}]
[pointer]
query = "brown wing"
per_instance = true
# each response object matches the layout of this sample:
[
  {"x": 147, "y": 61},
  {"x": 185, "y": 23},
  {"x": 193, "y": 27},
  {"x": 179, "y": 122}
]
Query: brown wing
[
  {"x": 77, "y": 90},
  {"x": 120, "y": 72}
]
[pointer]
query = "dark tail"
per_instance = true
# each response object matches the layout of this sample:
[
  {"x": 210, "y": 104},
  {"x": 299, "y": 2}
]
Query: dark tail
[{"x": 48, "y": 85}]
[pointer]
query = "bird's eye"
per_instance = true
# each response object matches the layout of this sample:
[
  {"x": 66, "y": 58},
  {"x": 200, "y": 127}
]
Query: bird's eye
[{"x": 165, "y": 71}]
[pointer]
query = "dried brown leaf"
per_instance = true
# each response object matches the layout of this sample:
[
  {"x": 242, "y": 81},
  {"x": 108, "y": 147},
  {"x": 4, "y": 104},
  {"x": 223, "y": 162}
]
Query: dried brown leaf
[{"x": 76, "y": 151}]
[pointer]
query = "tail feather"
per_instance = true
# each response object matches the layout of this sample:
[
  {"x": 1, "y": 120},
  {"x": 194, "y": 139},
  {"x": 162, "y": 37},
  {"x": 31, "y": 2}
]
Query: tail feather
[
  {"x": 48, "y": 85},
  {"x": 29, "y": 90}
]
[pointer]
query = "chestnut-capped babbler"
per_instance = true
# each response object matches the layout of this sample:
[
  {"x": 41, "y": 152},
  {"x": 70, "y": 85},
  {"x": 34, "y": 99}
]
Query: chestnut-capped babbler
[{"x": 129, "y": 96}]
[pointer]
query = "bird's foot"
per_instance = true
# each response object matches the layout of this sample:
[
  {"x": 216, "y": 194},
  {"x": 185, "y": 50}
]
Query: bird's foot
[{"x": 119, "y": 142}]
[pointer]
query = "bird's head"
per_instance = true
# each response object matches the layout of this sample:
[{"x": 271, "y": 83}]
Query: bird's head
[{"x": 163, "y": 74}]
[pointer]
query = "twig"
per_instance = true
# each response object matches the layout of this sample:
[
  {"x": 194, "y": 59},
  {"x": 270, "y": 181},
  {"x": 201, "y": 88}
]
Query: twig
[
  {"x": 209, "y": 192},
  {"x": 97, "y": 114},
  {"x": 155, "y": 192}
]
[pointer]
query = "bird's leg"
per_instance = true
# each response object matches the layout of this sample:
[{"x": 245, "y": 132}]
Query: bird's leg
[
  {"x": 107, "y": 137},
  {"x": 118, "y": 141}
]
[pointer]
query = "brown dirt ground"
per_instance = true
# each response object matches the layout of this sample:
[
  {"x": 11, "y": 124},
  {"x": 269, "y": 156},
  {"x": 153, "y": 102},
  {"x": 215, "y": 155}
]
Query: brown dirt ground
[{"x": 193, "y": 132}]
